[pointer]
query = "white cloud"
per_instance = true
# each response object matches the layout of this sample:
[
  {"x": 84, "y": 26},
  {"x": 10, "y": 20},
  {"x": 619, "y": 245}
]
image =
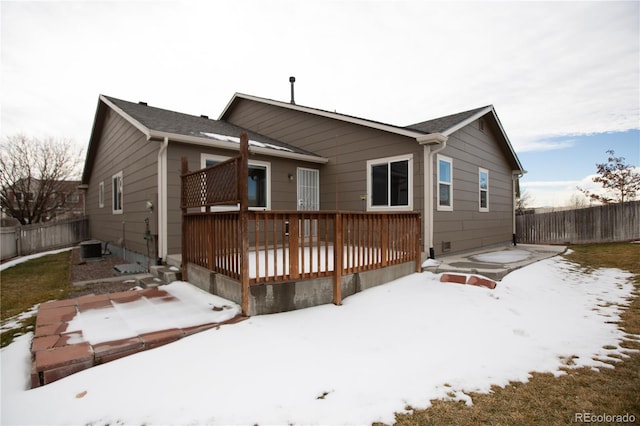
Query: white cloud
[
  {"x": 544, "y": 145},
  {"x": 550, "y": 69}
]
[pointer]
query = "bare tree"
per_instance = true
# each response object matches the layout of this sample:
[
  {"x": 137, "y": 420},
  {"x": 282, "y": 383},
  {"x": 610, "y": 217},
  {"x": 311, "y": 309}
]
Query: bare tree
[
  {"x": 523, "y": 201},
  {"x": 33, "y": 174},
  {"x": 577, "y": 201},
  {"x": 620, "y": 181}
]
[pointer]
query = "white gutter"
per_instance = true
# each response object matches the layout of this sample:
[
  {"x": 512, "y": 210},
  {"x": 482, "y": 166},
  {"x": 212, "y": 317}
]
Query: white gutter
[
  {"x": 427, "y": 141},
  {"x": 515, "y": 175},
  {"x": 162, "y": 199}
]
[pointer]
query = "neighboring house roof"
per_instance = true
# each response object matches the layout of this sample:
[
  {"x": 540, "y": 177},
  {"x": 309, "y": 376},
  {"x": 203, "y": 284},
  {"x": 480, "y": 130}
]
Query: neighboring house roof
[
  {"x": 157, "y": 124},
  {"x": 443, "y": 125}
]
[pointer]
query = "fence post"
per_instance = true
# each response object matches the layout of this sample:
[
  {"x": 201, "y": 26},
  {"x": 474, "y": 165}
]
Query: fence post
[{"x": 338, "y": 247}]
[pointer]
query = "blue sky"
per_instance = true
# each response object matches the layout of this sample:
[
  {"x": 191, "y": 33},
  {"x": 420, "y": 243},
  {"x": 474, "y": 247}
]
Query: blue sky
[
  {"x": 554, "y": 174},
  {"x": 564, "y": 77}
]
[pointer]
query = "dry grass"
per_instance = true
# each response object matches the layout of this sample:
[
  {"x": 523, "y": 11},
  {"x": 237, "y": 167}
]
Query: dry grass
[
  {"x": 550, "y": 400},
  {"x": 30, "y": 283}
]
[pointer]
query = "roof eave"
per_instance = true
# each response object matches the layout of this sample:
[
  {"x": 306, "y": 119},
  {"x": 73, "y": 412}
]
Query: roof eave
[
  {"x": 476, "y": 116},
  {"x": 147, "y": 132},
  {"x": 215, "y": 143}
]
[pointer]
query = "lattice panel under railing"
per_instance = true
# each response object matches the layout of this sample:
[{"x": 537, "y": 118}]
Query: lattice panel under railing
[{"x": 214, "y": 185}]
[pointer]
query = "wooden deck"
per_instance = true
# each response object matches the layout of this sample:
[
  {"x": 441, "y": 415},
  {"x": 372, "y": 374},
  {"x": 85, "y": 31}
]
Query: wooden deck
[{"x": 285, "y": 246}]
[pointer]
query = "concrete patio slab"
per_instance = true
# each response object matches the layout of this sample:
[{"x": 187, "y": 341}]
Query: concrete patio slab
[{"x": 493, "y": 262}]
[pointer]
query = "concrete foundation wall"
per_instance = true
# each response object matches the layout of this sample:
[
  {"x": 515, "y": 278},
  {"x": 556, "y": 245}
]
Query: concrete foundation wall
[{"x": 282, "y": 297}]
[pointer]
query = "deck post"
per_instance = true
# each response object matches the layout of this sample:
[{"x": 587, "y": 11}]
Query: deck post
[
  {"x": 294, "y": 248},
  {"x": 185, "y": 250},
  {"x": 242, "y": 177},
  {"x": 338, "y": 247},
  {"x": 384, "y": 239}
]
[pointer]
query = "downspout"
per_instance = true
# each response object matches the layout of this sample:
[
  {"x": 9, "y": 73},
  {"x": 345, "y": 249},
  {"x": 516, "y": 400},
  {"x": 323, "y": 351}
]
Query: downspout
[
  {"x": 427, "y": 142},
  {"x": 162, "y": 199},
  {"x": 515, "y": 175}
]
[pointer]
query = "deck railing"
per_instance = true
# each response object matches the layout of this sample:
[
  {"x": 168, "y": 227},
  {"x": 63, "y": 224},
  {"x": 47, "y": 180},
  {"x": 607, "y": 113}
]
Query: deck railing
[
  {"x": 286, "y": 246},
  {"x": 256, "y": 247}
]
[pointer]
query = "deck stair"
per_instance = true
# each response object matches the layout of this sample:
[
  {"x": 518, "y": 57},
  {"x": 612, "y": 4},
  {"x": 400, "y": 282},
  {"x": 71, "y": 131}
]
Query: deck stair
[{"x": 160, "y": 275}]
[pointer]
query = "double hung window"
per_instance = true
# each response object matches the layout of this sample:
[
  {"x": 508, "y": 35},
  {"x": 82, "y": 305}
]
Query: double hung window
[
  {"x": 117, "y": 193},
  {"x": 390, "y": 183},
  {"x": 445, "y": 183},
  {"x": 101, "y": 195},
  {"x": 483, "y": 189}
]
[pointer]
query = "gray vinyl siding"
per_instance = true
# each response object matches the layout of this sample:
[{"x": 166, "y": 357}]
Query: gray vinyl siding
[
  {"x": 466, "y": 227},
  {"x": 123, "y": 148},
  {"x": 347, "y": 146}
]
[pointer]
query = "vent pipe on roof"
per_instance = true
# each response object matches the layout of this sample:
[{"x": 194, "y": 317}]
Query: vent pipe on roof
[
  {"x": 142, "y": 103},
  {"x": 292, "y": 80}
]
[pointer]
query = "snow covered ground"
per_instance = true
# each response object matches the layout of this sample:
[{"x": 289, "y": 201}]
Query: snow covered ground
[{"x": 400, "y": 344}]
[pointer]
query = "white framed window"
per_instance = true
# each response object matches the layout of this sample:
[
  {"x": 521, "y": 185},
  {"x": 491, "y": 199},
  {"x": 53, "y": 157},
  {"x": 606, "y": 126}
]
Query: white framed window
[
  {"x": 101, "y": 194},
  {"x": 445, "y": 183},
  {"x": 258, "y": 185},
  {"x": 390, "y": 183},
  {"x": 117, "y": 187},
  {"x": 483, "y": 189}
]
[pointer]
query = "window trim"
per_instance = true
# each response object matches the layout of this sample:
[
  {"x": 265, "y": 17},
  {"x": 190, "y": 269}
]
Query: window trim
[
  {"x": 203, "y": 163},
  {"x": 388, "y": 160},
  {"x": 480, "y": 190},
  {"x": 101, "y": 195},
  {"x": 449, "y": 160},
  {"x": 113, "y": 194}
]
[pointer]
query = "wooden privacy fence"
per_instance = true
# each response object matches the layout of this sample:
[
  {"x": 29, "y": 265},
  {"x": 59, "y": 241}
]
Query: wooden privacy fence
[
  {"x": 256, "y": 247},
  {"x": 39, "y": 237},
  {"x": 600, "y": 224}
]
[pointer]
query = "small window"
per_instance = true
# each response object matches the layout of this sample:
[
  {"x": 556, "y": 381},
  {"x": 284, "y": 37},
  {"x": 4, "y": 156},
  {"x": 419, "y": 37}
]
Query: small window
[
  {"x": 389, "y": 182},
  {"x": 483, "y": 189},
  {"x": 117, "y": 192},
  {"x": 445, "y": 183},
  {"x": 101, "y": 195}
]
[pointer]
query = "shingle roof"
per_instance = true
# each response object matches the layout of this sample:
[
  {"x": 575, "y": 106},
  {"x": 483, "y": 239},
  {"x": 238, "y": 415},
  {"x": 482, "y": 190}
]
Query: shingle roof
[
  {"x": 441, "y": 124},
  {"x": 176, "y": 123}
]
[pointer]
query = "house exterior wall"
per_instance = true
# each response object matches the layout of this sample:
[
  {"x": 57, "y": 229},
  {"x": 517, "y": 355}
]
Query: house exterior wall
[
  {"x": 466, "y": 227},
  {"x": 348, "y": 147},
  {"x": 123, "y": 148},
  {"x": 343, "y": 180}
]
